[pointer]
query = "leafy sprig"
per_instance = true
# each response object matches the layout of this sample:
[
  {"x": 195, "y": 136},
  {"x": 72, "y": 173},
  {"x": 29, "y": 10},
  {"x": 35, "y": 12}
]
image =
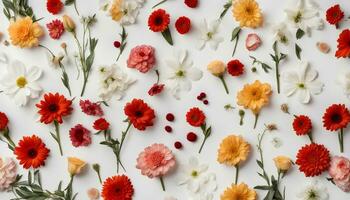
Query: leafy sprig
[
  {"x": 226, "y": 7},
  {"x": 123, "y": 36},
  {"x": 277, "y": 57},
  {"x": 235, "y": 37},
  {"x": 263, "y": 65},
  {"x": 17, "y": 8},
  {"x": 206, "y": 132}
]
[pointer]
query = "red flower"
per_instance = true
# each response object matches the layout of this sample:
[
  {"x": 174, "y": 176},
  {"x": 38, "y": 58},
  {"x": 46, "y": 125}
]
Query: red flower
[
  {"x": 80, "y": 136},
  {"x": 302, "y": 125},
  {"x": 191, "y": 3},
  {"x": 117, "y": 188},
  {"x": 31, "y": 152},
  {"x": 90, "y": 108},
  {"x": 183, "y": 25},
  {"x": 195, "y": 117},
  {"x": 158, "y": 21},
  {"x": 156, "y": 89},
  {"x": 313, "y": 159},
  {"x": 337, "y": 116},
  {"x": 235, "y": 68},
  {"x": 54, "y": 6},
  {"x": 101, "y": 124},
  {"x": 343, "y": 44},
  {"x": 55, "y": 28},
  {"x": 3, "y": 121},
  {"x": 53, "y": 107},
  {"x": 334, "y": 15},
  {"x": 139, "y": 114}
]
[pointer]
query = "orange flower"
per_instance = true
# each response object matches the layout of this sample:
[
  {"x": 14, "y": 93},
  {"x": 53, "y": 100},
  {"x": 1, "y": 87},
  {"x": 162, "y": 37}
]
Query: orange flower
[{"x": 25, "y": 33}]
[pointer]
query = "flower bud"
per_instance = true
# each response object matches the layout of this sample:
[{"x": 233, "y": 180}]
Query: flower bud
[
  {"x": 68, "y": 23},
  {"x": 75, "y": 165},
  {"x": 282, "y": 163},
  {"x": 216, "y": 67}
]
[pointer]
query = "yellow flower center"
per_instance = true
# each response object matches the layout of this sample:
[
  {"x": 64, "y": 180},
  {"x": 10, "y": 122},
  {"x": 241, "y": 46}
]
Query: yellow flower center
[
  {"x": 209, "y": 35},
  {"x": 255, "y": 94},
  {"x": 21, "y": 82},
  {"x": 194, "y": 173},
  {"x": 180, "y": 73},
  {"x": 298, "y": 17},
  {"x": 301, "y": 85}
]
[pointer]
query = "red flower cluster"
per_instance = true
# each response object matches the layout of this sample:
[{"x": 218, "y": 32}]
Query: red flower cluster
[
  {"x": 101, "y": 124},
  {"x": 54, "y": 6},
  {"x": 156, "y": 89},
  {"x": 191, "y": 3},
  {"x": 195, "y": 117},
  {"x": 90, "y": 108},
  {"x": 3, "y": 121},
  {"x": 56, "y": 29},
  {"x": 31, "y": 152},
  {"x": 139, "y": 114},
  {"x": 80, "y": 136},
  {"x": 343, "y": 44},
  {"x": 183, "y": 25},
  {"x": 302, "y": 125},
  {"x": 117, "y": 188},
  {"x": 235, "y": 68},
  {"x": 334, "y": 15},
  {"x": 336, "y": 117},
  {"x": 158, "y": 21},
  {"x": 313, "y": 159}
]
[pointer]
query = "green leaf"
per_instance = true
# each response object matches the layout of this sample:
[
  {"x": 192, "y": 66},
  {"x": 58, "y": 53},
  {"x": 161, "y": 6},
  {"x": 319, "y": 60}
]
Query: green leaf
[
  {"x": 226, "y": 7},
  {"x": 261, "y": 165},
  {"x": 235, "y": 33},
  {"x": 300, "y": 33},
  {"x": 167, "y": 36},
  {"x": 262, "y": 187},
  {"x": 297, "y": 50},
  {"x": 69, "y": 2}
]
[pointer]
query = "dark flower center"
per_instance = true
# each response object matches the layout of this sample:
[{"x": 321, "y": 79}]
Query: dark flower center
[
  {"x": 32, "y": 153},
  {"x": 138, "y": 113},
  {"x": 301, "y": 123},
  {"x": 141, "y": 54},
  {"x": 336, "y": 118},
  {"x": 79, "y": 135},
  {"x": 117, "y": 189},
  {"x": 53, "y": 108},
  {"x": 158, "y": 21}
]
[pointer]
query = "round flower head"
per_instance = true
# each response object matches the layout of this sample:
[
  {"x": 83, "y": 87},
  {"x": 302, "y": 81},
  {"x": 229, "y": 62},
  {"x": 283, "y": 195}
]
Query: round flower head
[
  {"x": 235, "y": 68},
  {"x": 8, "y": 171},
  {"x": 339, "y": 170},
  {"x": 80, "y": 136},
  {"x": 55, "y": 28},
  {"x": 334, "y": 15},
  {"x": 302, "y": 125},
  {"x": 239, "y": 192},
  {"x": 117, "y": 188},
  {"x": 183, "y": 25},
  {"x": 54, "y": 6},
  {"x": 216, "y": 67},
  {"x": 158, "y": 21},
  {"x": 3, "y": 121},
  {"x": 25, "y": 33},
  {"x": 283, "y": 163},
  {"x": 101, "y": 124},
  {"x": 247, "y": 13},
  {"x": 343, "y": 50},
  {"x": 156, "y": 161},
  {"x": 233, "y": 150},
  {"x": 139, "y": 114},
  {"x": 336, "y": 117},
  {"x": 195, "y": 117},
  {"x": 90, "y": 108},
  {"x": 142, "y": 58}
]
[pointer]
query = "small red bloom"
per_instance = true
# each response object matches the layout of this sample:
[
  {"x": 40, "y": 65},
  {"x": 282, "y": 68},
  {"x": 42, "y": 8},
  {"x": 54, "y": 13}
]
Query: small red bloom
[
  {"x": 235, "y": 68},
  {"x": 80, "y": 136},
  {"x": 183, "y": 25},
  {"x": 168, "y": 129},
  {"x": 192, "y": 137},
  {"x": 334, "y": 14},
  {"x": 139, "y": 114},
  {"x": 337, "y": 116},
  {"x": 3, "y": 121},
  {"x": 55, "y": 28},
  {"x": 343, "y": 44},
  {"x": 195, "y": 117},
  {"x": 302, "y": 125},
  {"x": 158, "y": 21},
  {"x": 31, "y": 152},
  {"x": 191, "y": 3},
  {"x": 117, "y": 188},
  {"x": 178, "y": 145},
  {"x": 54, "y": 6},
  {"x": 156, "y": 89},
  {"x": 170, "y": 117},
  {"x": 90, "y": 108},
  {"x": 313, "y": 159},
  {"x": 101, "y": 124},
  {"x": 117, "y": 44}
]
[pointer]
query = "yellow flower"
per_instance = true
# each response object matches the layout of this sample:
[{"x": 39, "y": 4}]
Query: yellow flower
[
  {"x": 233, "y": 150},
  {"x": 216, "y": 67},
  {"x": 25, "y": 33},
  {"x": 75, "y": 165},
  {"x": 115, "y": 11},
  {"x": 68, "y": 23},
  {"x": 254, "y": 96},
  {"x": 239, "y": 192},
  {"x": 247, "y": 13},
  {"x": 282, "y": 163}
]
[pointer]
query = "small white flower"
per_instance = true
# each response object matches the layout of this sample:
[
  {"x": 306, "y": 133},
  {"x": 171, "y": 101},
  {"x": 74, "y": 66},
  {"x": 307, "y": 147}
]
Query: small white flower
[
  {"x": 20, "y": 83},
  {"x": 53, "y": 61},
  {"x": 209, "y": 34},
  {"x": 314, "y": 191},
  {"x": 276, "y": 142},
  {"x": 302, "y": 82},
  {"x": 344, "y": 82},
  {"x": 208, "y": 187},
  {"x": 180, "y": 73},
  {"x": 131, "y": 10},
  {"x": 193, "y": 174},
  {"x": 281, "y": 33}
]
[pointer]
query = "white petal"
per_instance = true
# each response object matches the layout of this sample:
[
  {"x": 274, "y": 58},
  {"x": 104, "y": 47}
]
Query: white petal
[
  {"x": 194, "y": 73},
  {"x": 304, "y": 96},
  {"x": 214, "y": 25},
  {"x": 289, "y": 89},
  {"x": 20, "y": 97},
  {"x": 185, "y": 84},
  {"x": 291, "y": 77},
  {"x": 182, "y": 55},
  {"x": 201, "y": 44},
  {"x": 34, "y": 74},
  {"x": 17, "y": 68},
  {"x": 193, "y": 161},
  {"x": 315, "y": 87}
]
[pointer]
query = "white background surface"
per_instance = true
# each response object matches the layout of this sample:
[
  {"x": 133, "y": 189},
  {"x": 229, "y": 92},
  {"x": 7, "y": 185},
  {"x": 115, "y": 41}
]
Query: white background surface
[{"x": 24, "y": 121}]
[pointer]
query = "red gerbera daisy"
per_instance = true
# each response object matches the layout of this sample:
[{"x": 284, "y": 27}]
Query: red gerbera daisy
[
  {"x": 54, "y": 6},
  {"x": 80, "y": 136},
  {"x": 53, "y": 107},
  {"x": 101, "y": 124},
  {"x": 336, "y": 117},
  {"x": 139, "y": 114},
  {"x": 55, "y": 28},
  {"x": 156, "y": 89},
  {"x": 313, "y": 159},
  {"x": 31, "y": 152},
  {"x": 195, "y": 117},
  {"x": 235, "y": 68},
  {"x": 117, "y": 188},
  {"x": 183, "y": 25},
  {"x": 343, "y": 44},
  {"x": 302, "y": 125},
  {"x": 158, "y": 21},
  {"x": 191, "y": 3},
  {"x": 3, "y": 121},
  {"x": 334, "y": 15},
  {"x": 90, "y": 108}
]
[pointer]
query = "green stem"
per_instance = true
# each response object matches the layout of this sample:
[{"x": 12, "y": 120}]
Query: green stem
[
  {"x": 256, "y": 119},
  {"x": 310, "y": 137},
  {"x": 278, "y": 177},
  {"x": 58, "y": 137},
  {"x": 84, "y": 85},
  {"x": 224, "y": 83},
  {"x": 8, "y": 138},
  {"x": 124, "y": 134},
  {"x": 234, "y": 50},
  {"x": 159, "y": 3},
  {"x": 162, "y": 183},
  {"x": 341, "y": 140},
  {"x": 202, "y": 145},
  {"x": 237, "y": 173},
  {"x": 75, "y": 8}
]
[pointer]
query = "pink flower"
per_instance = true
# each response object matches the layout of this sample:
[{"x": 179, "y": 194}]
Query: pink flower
[
  {"x": 8, "y": 173},
  {"x": 156, "y": 161},
  {"x": 90, "y": 108},
  {"x": 142, "y": 58},
  {"x": 340, "y": 172},
  {"x": 252, "y": 42},
  {"x": 80, "y": 136}
]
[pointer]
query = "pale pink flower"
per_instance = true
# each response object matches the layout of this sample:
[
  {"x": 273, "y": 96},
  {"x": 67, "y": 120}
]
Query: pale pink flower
[
  {"x": 142, "y": 58},
  {"x": 156, "y": 161},
  {"x": 93, "y": 194},
  {"x": 8, "y": 173},
  {"x": 252, "y": 42},
  {"x": 340, "y": 172}
]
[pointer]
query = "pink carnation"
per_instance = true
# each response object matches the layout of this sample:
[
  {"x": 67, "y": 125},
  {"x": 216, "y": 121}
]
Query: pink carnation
[
  {"x": 340, "y": 172},
  {"x": 8, "y": 173},
  {"x": 90, "y": 108},
  {"x": 252, "y": 42},
  {"x": 142, "y": 58},
  {"x": 80, "y": 136},
  {"x": 156, "y": 161}
]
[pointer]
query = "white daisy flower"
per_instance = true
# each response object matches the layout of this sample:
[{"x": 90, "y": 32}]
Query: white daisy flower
[
  {"x": 209, "y": 34},
  {"x": 208, "y": 187},
  {"x": 193, "y": 174},
  {"x": 314, "y": 191},
  {"x": 281, "y": 33}
]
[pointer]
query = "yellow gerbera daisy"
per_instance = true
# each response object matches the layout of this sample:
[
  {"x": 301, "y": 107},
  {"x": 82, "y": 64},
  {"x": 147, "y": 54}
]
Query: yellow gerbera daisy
[
  {"x": 233, "y": 150},
  {"x": 247, "y": 13},
  {"x": 116, "y": 11},
  {"x": 239, "y": 192},
  {"x": 25, "y": 33}
]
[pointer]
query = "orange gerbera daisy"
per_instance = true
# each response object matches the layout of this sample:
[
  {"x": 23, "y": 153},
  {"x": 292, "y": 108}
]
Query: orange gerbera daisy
[
  {"x": 117, "y": 188},
  {"x": 31, "y": 152}
]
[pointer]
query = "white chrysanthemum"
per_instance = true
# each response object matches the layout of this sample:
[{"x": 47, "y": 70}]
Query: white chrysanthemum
[
  {"x": 8, "y": 173},
  {"x": 193, "y": 174},
  {"x": 209, "y": 34},
  {"x": 313, "y": 191}
]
